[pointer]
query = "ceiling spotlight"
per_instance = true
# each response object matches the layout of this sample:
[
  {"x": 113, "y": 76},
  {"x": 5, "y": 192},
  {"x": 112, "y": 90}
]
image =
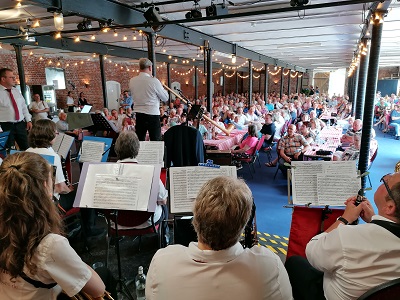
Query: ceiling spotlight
[
  {"x": 84, "y": 25},
  {"x": 298, "y": 2},
  {"x": 194, "y": 14},
  {"x": 58, "y": 20},
  {"x": 152, "y": 16}
]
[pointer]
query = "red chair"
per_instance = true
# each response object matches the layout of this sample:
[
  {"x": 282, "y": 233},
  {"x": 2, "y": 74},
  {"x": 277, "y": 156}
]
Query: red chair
[
  {"x": 386, "y": 291},
  {"x": 253, "y": 157}
]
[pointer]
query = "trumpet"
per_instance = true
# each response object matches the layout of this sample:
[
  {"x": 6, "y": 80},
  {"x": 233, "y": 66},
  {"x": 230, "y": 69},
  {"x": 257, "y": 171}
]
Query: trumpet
[{"x": 227, "y": 131}]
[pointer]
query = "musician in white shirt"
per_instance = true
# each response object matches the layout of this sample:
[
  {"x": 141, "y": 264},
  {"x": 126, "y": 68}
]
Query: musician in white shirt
[
  {"x": 217, "y": 266},
  {"x": 16, "y": 120},
  {"x": 147, "y": 92}
]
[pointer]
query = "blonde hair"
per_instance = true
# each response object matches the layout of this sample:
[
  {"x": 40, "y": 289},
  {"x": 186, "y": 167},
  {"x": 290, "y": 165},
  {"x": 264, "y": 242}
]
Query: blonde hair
[
  {"x": 223, "y": 205},
  {"x": 27, "y": 211}
]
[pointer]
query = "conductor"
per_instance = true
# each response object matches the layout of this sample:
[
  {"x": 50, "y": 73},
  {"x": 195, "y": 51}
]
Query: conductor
[{"x": 147, "y": 92}]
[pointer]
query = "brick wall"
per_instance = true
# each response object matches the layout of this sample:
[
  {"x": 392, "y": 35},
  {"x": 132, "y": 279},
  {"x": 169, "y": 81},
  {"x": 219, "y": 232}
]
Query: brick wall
[{"x": 85, "y": 75}]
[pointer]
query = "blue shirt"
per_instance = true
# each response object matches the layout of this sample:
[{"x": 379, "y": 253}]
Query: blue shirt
[{"x": 128, "y": 101}]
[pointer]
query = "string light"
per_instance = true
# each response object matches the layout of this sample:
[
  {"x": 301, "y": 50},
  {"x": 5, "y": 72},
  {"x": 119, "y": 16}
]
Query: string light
[
  {"x": 57, "y": 35},
  {"x": 93, "y": 37},
  {"x": 36, "y": 24},
  {"x": 125, "y": 38},
  {"x": 77, "y": 39}
]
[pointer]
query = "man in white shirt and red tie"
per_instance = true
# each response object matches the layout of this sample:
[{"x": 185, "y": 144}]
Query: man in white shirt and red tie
[{"x": 14, "y": 114}]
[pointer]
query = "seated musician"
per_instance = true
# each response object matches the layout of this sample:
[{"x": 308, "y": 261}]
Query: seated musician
[
  {"x": 41, "y": 138},
  {"x": 32, "y": 246},
  {"x": 127, "y": 148},
  {"x": 217, "y": 266},
  {"x": 346, "y": 261}
]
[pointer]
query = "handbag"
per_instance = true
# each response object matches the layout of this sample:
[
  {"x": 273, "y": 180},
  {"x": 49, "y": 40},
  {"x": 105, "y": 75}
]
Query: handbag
[{"x": 63, "y": 296}]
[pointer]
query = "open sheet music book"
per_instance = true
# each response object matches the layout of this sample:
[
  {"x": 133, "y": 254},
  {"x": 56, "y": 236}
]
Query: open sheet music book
[
  {"x": 151, "y": 153},
  {"x": 62, "y": 144},
  {"x": 185, "y": 183},
  {"x": 91, "y": 151},
  {"x": 118, "y": 186},
  {"x": 324, "y": 182}
]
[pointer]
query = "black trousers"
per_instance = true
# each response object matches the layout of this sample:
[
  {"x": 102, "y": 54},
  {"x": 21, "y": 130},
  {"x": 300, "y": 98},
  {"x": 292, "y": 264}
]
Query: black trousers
[
  {"x": 306, "y": 281},
  {"x": 150, "y": 123},
  {"x": 18, "y": 133}
]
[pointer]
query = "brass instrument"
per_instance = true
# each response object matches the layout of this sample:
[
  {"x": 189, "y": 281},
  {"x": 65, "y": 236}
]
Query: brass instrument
[
  {"x": 397, "y": 167},
  {"x": 227, "y": 131}
]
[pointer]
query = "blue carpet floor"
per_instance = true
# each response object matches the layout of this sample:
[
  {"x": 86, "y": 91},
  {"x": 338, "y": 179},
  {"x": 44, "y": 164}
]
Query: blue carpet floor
[{"x": 271, "y": 195}]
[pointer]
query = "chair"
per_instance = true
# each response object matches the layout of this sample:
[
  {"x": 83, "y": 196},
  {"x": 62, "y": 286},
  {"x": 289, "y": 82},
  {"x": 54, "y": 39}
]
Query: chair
[
  {"x": 253, "y": 157},
  {"x": 386, "y": 291},
  {"x": 128, "y": 218},
  {"x": 269, "y": 149}
]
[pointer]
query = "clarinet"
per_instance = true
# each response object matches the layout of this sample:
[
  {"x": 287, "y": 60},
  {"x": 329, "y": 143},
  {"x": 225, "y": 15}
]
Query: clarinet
[
  {"x": 64, "y": 169},
  {"x": 250, "y": 231}
]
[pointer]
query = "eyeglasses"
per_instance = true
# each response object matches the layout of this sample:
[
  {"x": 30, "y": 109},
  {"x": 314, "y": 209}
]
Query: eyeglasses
[{"x": 387, "y": 186}]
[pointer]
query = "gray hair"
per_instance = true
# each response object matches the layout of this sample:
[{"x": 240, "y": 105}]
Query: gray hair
[
  {"x": 223, "y": 205},
  {"x": 127, "y": 145},
  {"x": 144, "y": 63}
]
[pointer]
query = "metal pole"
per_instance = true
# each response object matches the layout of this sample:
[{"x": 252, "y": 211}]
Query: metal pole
[
  {"x": 196, "y": 84},
  {"x": 250, "y": 82},
  {"x": 209, "y": 80},
  {"x": 223, "y": 82},
  {"x": 362, "y": 81},
  {"x": 21, "y": 71},
  {"x": 266, "y": 83},
  {"x": 297, "y": 82},
  {"x": 151, "y": 52},
  {"x": 355, "y": 89},
  {"x": 288, "y": 84},
  {"x": 237, "y": 81},
  {"x": 169, "y": 80},
  {"x": 281, "y": 89},
  {"x": 372, "y": 79},
  {"x": 301, "y": 82},
  {"x": 103, "y": 80}
]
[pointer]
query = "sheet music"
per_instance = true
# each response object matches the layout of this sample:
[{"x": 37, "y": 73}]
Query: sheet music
[
  {"x": 151, "y": 153},
  {"x": 335, "y": 190},
  {"x": 185, "y": 183},
  {"x": 62, "y": 144},
  {"x": 324, "y": 182},
  {"x": 117, "y": 186},
  {"x": 91, "y": 151}
]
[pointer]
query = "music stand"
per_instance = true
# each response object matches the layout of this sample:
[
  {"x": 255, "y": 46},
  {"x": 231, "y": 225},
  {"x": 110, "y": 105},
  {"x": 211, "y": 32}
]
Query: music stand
[
  {"x": 101, "y": 123},
  {"x": 193, "y": 113}
]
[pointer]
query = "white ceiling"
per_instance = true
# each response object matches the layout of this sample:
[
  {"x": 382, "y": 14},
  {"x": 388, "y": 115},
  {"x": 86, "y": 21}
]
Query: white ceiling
[{"x": 320, "y": 39}]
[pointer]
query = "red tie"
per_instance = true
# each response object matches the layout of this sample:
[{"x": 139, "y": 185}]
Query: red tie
[{"x": 14, "y": 104}]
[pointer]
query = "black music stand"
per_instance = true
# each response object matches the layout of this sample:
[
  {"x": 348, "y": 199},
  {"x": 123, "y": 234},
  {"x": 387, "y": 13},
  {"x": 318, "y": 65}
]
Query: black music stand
[
  {"x": 193, "y": 113},
  {"x": 101, "y": 123}
]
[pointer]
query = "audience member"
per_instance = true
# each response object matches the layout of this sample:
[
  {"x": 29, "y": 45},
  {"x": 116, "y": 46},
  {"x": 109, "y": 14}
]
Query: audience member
[
  {"x": 395, "y": 120},
  {"x": 38, "y": 108},
  {"x": 292, "y": 146},
  {"x": 217, "y": 266},
  {"x": 356, "y": 129}
]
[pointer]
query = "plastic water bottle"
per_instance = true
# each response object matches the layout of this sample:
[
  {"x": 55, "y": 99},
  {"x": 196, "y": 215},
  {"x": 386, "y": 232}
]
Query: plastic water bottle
[{"x": 140, "y": 283}]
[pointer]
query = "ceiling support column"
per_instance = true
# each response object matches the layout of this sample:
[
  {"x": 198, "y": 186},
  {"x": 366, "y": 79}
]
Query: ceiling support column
[
  {"x": 151, "y": 52},
  {"x": 103, "y": 80},
  {"x": 362, "y": 79},
  {"x": 21, "y": 71},
  {"x": 196, "y": 84},
  {"x": 266, "y": 83},
  {"x": 169, "y": 81},
  {"x": 250, "y": 82},
  {"x": 288, "y": 84},
  {"x": 282, "y": 78},
  {"x": 354, "y": 91},
  {"x": 372, "y": 79},
  {"x": 209, "y": 80}
]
